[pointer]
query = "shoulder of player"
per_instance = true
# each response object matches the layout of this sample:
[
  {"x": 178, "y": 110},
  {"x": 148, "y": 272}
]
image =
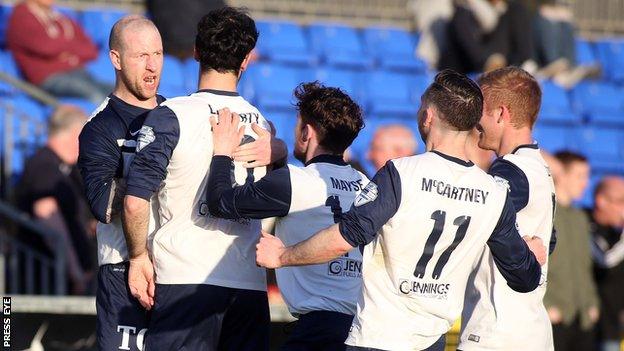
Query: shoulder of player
[{"x": 104, "y": 120}]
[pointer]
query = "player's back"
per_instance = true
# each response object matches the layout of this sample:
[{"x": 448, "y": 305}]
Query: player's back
[
  {"x": 320, "y": 192},
  {"x": 192, "y": 247},
  {"x": 415, "y": 270},
  {"x": 495, "y": 316}
]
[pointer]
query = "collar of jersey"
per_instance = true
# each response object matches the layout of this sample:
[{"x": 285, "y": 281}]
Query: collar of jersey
[
  {"x": 525, "y": 146},
  {"x": 459, "y": 161},
  {"x": 128, "y": 108},
  {"x": 218, "y": 92},
  {"x": 333, "y": 159}
]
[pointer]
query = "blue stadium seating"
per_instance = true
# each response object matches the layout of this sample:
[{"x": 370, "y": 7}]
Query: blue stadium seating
[
  {"x": 611, "y": 55},
  {"x": 339, "y": 45},
  {"x": 553, "y": 138},
  {"x": 87, "y": 106},
  {"x": 392, "y": 94},
  {"x": 604, "y": 146},
  {"x": 191, "y": 73},
  {"x": 69, "y": 12},
  {"x": 7, "y": 65},
  {"x": 98, "y": 23},
  {"x": 101, "y": 68},
  {"x": 393, "y": 48},
  {"x": 284, "y": 123},
  {"x": 5, "y": 12},
  {"x": 585, "y": 52},
  {"x": 349, "y": 81},
  {"x": 172, "y": 79},
  {"x": 284, "y": 42},
  {"x": 556, "y": 106},
  {"x": 274, "y": 85},
  {"x": 597, "y": 96}
]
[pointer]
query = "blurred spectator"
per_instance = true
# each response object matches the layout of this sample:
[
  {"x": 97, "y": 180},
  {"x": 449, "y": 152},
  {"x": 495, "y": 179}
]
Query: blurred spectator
[
  {"x": 50, "y": 190},
  {"x": 480, "y": 157},
  {"x": 608, "y": 252},
  {"x": 432, "y": 18},
  {"x": 487, "y": 34},
  {"x": 51, "y": 50},
  {"x": 571, "y": 298},
  {"x": 555, "y": 49},
  {"x": 390, "y": 142},
  {"x": 179, "y": 35}
]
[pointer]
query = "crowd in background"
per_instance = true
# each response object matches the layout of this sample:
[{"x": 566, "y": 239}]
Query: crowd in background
[{"x": 585, "y": 296}]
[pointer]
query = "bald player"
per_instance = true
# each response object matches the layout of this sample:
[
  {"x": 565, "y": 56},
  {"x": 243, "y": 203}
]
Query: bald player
[
  {"x": 390, "y": 142},
  {"x": 107, "y": 146}
]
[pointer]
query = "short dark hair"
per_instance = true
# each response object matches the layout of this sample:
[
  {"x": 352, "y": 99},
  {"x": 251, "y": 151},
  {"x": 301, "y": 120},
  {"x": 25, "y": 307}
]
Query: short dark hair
[
  {"x": 516, "y": 89},
  {"x": 224, "y": 37},
  {"x": 567, "y": 157},
  {"x": 332, "y": 113},
  {"x": 457, "y": 98}
]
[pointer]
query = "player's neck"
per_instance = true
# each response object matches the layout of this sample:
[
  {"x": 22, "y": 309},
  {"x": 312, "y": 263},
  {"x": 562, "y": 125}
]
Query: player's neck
[
  {"x": 124, "y": 94},
  {"x": 214, "y": 80},
  {"x": 512, "y": 138},
  {"x": 452, "y": 143},
  {"x": 317, "y": 151}
]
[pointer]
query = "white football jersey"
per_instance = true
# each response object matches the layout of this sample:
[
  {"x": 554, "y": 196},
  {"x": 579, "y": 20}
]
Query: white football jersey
[
  {"x": 435, "y": 213},
  {"x": 495, "y": 317},
  {"x": 320, "y": 193},
  {"x": 174, "y": 153}
]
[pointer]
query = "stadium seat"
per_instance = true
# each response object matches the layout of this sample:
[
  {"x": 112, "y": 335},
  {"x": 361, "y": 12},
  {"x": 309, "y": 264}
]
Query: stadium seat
[
  {"x": 393, "y": 48},
  {"x": 8, "y": 66},
  {"x": 553, "y": 138},
  {"x": 5, "y": 12},
  {"x": 69, "y": 12},
  {"x": 597, "y": 98},
  {"x": 556, "y": 106},
  {"x": 585, "y": 54},
  {"x": 191, "y": 74},
  {"x": 611, "y": 55},
  {"x": 339, "y": 45},
  {"x": 392, "y": 94},
  {"x": 284, "y": 123},
  {"x": 98, "y": 23},
  {"x": 273, "y": 85},
  {"x": 347, "y": 80},
  {"x": 284, "y": 42},
  {"x": 604, "y": 147},
  {"x": 587, "y": 201},
  {"x": 102, "y": 68}
]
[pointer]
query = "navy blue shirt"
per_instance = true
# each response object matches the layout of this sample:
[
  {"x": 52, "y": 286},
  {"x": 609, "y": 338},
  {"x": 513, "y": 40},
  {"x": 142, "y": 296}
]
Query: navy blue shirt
[{"x": 110, "y": 134}]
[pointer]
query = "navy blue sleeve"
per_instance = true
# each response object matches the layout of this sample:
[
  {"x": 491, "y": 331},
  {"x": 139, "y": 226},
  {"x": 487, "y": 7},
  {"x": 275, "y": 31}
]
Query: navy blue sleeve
[
  {"x": 373, "y": 207},
  {"x": 518, "y": 182},
  {"x": 157, "y": 139},
  {"x": 511, "y": 254},
  {"x": 268, "y": 197},
  {"x": 99, "y": 162}
]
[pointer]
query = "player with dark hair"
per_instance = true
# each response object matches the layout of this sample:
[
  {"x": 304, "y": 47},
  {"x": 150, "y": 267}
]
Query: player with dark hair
[
  {"x": 427, "y": 218},
  {"x": 209, "y": 293},
  {"x": 496, "y": 317},
  {"x": 305, "y": 200},
  {"x": 107, "y": 145}
]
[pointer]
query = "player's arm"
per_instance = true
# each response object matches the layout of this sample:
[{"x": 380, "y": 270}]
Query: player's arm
[
  {"x": 268, "y": 197},
  {"x": 375, "y": 205},
  {"x": 99, "y": 163},
  {"x": 518, "y": 188},
  {"x": 157, "y": 139},
  {"x": 512, "y": 256}
]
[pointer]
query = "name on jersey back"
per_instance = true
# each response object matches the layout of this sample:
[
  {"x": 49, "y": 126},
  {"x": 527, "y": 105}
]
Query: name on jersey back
[{"x": 453, "y": 192}]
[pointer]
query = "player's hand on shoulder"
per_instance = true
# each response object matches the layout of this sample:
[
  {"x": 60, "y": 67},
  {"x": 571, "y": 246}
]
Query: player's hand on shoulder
[
  {"x": 141, "y": 280},
  {"x": 226, "y": 133},
  {"x": 263, "y": 151},
  {"x": 536, "y": 245},
  {"x": 269, "y": 250}
]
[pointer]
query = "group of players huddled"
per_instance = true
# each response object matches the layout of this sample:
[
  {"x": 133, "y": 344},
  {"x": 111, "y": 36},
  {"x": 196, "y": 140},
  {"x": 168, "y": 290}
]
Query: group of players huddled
[{"x": 180, "y": 186}]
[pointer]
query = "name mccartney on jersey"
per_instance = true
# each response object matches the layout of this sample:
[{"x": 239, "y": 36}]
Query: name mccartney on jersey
[{"x": 453, "y": 192}]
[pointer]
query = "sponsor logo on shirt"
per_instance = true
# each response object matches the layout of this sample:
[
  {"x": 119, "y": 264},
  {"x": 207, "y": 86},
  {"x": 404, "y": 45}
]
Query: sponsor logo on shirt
[
  {"x": 502, "y": 182},
  {"x": 345, "y": 267},
  {"x": 429, "y": 290},
  {"x": 474, "y": 338},
  {"x": 368, "y": 194},
  {"x": 146, "y": 137}
]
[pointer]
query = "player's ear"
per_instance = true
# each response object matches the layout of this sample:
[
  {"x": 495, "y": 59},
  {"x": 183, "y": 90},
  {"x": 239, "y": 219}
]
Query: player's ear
[
  {"x": 503, "y": 114},
  {"x": 245, "y": 63},
  {"x": 428, "y": 117},
  {"x": 195, "y": 54},
  {"x": 115, "y": 59}
]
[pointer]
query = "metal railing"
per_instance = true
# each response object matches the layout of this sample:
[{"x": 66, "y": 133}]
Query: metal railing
[{"x": 28, "y": 270}]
